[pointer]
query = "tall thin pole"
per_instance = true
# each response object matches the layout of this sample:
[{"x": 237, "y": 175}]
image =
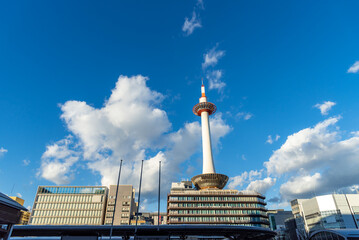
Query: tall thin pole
[
  {"x": 139, "y": 198},
  {"x": 114, "y": 207},
  {"x": 159, "y": 192}
]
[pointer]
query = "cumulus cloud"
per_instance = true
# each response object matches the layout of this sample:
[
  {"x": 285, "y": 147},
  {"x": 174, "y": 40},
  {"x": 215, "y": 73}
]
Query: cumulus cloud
[
  {"x": 304, "y": 185},
  {"x": 244, "y": 115},
  {"x": 261, "y": 185},
  {"x": 211, "y": 57},
  {"x": 19, "y": 195},
  {"x": 130, "y": 126},
  {"x": 57, "y": 160},
  {"x": 301, "y": 149},
  {"x": 325, "y": 107},
  {"x": 316, "y": 159},
  {"x": 244, "y": 178},
  {"x": 2, "y": 151},
  {"x": 354, "y": 68},
  {"x": 190, "y": 25}
]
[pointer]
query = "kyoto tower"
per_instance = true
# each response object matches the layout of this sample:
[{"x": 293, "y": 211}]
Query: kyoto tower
[{"x": 209, "y": 179}]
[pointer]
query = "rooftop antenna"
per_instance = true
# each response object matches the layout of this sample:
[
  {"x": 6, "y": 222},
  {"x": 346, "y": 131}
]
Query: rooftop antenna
[{"x": 202, "y": 80}]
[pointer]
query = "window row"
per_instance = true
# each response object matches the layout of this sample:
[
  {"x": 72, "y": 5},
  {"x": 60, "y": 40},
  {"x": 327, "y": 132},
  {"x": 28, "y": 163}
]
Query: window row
[
  {"x": 65, "y": 213},
  {"x": 69, "y": 206},
  {"x": 218, "y": 219},
  {"x": 66, "y": 221},
  {"x": 234, "y": 205},
  {"x": 72, "y": 190},
  {"x": 217, "y": 212},
  {"x": 204, "y": 198},
  {"x": 68, "y": 198}
]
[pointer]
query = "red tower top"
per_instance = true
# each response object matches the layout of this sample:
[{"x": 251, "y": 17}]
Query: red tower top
[{"x": 203, "y": 105}]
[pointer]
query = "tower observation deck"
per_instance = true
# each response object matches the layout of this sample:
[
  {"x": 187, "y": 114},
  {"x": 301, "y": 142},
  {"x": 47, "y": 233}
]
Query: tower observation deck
[{"x": 209, "y": 179}]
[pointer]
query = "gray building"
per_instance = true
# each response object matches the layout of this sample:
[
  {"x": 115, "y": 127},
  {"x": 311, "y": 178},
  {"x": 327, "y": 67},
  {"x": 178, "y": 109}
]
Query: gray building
[
  {"x": 125, "y": 205},
  {"x": 277, "y": 219}
]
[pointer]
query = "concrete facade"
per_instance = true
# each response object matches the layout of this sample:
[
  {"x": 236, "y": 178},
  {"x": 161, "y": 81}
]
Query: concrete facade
[
  {"x": 81, "y": 205},
  {"x": 125, "y": 205},
  {"x": 334, "y": 211}
]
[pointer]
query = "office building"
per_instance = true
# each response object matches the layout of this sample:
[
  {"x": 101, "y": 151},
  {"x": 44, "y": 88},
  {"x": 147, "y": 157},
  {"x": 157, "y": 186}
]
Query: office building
[
  {"x": 216, "y": 206},
  {"x": 125, "y": 207},
  {"x": 207, "y": 202},
  {"x": 333, "y": 211},
  {"x": 277, "y": 219},
  {"x": 81, "y": 205},
  {"x": 25, "y": 215}
]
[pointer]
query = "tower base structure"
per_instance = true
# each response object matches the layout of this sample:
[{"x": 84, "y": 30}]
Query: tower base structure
[{"x": 210, "y": 181}]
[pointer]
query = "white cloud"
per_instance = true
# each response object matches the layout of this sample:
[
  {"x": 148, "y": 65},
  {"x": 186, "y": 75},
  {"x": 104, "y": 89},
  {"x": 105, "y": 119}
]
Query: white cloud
[
  {"x": 301, "y": 148},
  {"x": 57, "y": 161},
  {"x": 200, "y": 4},
  {"x": 2, "y": 151},
  {"x": 211, "y": 57},
  {"x": 130, "y": 127},
  {"x": 214, "y": 78},
  {"x": 270, "y": 140},
  {"x": 26, "y": 162},
  {"x": 262, "y": 185},
  {"x": 244, "y": 178},
  {"x": 354, "y": 68},
  {"x": 19, "y": 195},
  {"x": 325, "y": 107},
  {"x": 237, "y": 181},
  {"x": 299, "y": 185},
  {"x": 277, "y": 137},
  {"x": 244, "y": 157},
  {"x": 190, "y": 25},
  {"x": 244, "y": 115},
  {"x": 316, "y": 160}
]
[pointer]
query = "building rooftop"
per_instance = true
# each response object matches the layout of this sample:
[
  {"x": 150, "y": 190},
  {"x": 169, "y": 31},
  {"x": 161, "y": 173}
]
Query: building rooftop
[{"x": 5, "y": 200}]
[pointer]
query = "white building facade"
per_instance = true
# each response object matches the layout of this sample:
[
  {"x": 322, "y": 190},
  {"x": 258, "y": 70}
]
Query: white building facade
[{"x": 335, "y": 211}]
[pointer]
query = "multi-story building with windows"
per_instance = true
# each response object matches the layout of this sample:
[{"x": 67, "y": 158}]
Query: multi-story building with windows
[
  {"x": 216, "y": 206},
  {"x": 125, "y": 205},
  {"x": 333, "y": 211},
  {"x": 208, "y": 202},
  {"x": 68, "y": 205}
]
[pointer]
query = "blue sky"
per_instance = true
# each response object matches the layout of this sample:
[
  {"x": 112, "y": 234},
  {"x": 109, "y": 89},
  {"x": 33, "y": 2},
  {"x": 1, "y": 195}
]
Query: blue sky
[{"x": 268, "y": 66}]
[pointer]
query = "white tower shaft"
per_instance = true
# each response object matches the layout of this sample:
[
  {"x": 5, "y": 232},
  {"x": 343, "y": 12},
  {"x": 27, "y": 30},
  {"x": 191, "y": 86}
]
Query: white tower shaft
[{"x": 208, "y": 166}]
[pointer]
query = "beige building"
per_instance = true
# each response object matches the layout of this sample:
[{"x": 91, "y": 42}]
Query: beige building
[
  {"x": 125, "y": 205},
  {"x": 25, "y": 215},
  {"x": 81, "y": 205}
]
